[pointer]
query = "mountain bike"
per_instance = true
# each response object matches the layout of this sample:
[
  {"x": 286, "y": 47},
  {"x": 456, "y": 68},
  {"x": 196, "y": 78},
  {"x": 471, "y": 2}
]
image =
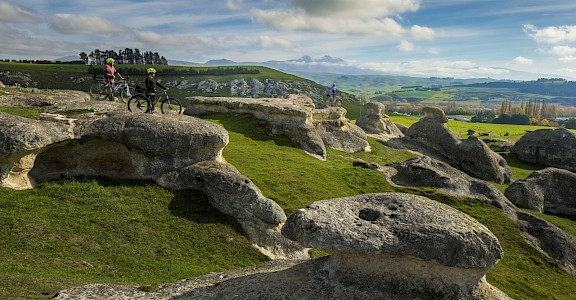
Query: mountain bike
[
  {"x": 333, "y": 99},
  {"x": 140, "y": 102},
  {"x": 102, "y": 90}
]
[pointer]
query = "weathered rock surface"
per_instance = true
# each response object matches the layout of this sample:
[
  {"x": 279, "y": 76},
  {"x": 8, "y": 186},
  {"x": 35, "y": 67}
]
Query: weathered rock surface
[
  {"x": 428, "y": 172},
  {"x": 551, "y": 240},
  {"x": 309, "y": 129},
  {"x": 179, "y": 152},
  {"x": 425, "y": 171},
  {"x": 376, "y": 122},
  {"x": 408, "y": 242},
  {"x": 20, "y": 140},
  {"x": 550, "y": 190},
  {"x": 430, "y": 136},
  {"x": 553, "y": 148}
]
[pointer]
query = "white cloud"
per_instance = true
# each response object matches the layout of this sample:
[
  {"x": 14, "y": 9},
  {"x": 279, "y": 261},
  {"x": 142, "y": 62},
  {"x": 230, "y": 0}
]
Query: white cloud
[
  {"x": 422, "y": 33},
  {"x": 297, "y": 21},
  {"x": 16, "y": 14},
  {"x": 356, "y": 8},
  {"x": 149, "y": 37},
  {"x": 426, "y": 68},
  {"x": 234, "y": 4},
  {"x": 552, "y": 34},
  {"x": 405, "y": 46},
  {"x": 569, "y": 70},
  {"x": 366, "y": 17},
  {"x": 568, "y": 58},
  {"x": 563, "y": 50},
  {"x": 81, "y": 24},
  {"x": 522, "y": 61},
  {"x": 270, "y": 42}
]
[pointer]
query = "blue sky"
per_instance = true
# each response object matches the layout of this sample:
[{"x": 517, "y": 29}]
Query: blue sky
[{"x": 455, "y": 38}]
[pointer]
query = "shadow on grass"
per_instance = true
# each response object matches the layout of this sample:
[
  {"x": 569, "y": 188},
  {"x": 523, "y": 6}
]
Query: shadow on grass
[
  {"x": 514, "y": 161},
  {"x": 189, "y": 204},
  {"x": 194, "y": 205},
  {"x": 105, "y": 181},
  {"x": 250, "y": 127}
]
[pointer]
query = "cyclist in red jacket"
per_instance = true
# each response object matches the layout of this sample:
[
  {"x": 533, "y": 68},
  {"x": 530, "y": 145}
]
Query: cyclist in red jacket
[{"x": 111, "y": 73}]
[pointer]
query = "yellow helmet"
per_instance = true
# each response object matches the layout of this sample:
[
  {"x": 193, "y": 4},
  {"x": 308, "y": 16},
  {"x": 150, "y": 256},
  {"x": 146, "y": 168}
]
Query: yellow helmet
[
  {"x": 151, "y": 70},
  {"x": 109, "y": 59}
]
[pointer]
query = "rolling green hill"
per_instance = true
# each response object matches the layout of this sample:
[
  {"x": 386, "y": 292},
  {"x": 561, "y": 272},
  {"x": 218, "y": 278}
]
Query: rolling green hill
[
  {"x": 433, "y": 90},
  {"x": 244, "y": 81}
]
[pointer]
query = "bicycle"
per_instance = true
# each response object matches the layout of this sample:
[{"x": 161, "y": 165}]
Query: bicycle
[
  {"x": 139, "y": 102},
  {"x": 333, "y": 100},
  {"x": 102, "y": 90}
]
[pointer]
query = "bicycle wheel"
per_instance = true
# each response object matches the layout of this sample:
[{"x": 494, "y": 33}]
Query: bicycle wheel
[
  {"x": 171, "y": 106},
  {"x": 98, "y": 90},
  {"x": 138, "y": 103},
  {"x": 124, "y": 96}
]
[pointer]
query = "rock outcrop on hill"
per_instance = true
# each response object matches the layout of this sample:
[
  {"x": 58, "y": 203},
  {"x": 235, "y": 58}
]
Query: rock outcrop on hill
[
  {"x": 376, "y": 122},
  {"x": 430, "y": 136},
  {"x": 385, "y": 246},
  {"x": 550, "y": 190},
  {"x": 179, "y": 152},
  {"x": 309, "y": 129},
  {"x": 427, "y": 172},
  {"x": 552, "y": 148}
]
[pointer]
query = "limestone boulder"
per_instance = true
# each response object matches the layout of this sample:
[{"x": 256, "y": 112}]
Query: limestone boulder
[
  {"x": 553, "y": 148},
  {"x": 295, "y": 117},
  {"x": 232, "y": 193},
  {"x": 432, "y": 137},
  {"x": 398, "y": 240},
  {"x": 550, "y": 190},
  {"x": 376, "y": 122},
  {"x": 337, "y": 132},
  {"x": 21, "y": 140},
  {"x": 549, "y": 239},
  {"x": 424, "y": 171}
]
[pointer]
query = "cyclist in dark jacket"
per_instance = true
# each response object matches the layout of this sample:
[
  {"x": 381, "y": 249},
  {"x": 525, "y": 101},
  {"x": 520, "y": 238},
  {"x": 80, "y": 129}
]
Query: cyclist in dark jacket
[{"x": 151, "y": 84}]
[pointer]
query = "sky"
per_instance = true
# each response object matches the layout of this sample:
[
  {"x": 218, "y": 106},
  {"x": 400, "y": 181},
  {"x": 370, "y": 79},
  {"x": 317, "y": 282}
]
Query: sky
[{"x": 441, "y": 38}]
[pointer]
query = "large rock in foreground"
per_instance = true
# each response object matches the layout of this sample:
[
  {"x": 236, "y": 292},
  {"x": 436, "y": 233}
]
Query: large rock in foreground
[
  {"x": 398, "y": 241},
  {"x": 550, "y": 190},
  {"x": 553, "y": 148}
]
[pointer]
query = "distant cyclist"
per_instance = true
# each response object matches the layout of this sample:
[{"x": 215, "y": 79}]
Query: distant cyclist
[
  {"x": 332, "y": 94},
  {"x": 151, "y": 89},
  {"x": 111, "y": 73}
]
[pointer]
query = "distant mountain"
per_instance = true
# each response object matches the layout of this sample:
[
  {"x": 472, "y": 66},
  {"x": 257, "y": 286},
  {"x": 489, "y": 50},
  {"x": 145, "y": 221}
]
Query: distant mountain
[
  {"x": 67, "y": 58},
  {"x": 183, "y": 63},
  {"x": 221, "y": 62}
]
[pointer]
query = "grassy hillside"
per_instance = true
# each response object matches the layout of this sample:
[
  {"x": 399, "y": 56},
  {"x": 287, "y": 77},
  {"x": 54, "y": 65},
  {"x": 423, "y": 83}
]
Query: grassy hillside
[
  {"x": 87, "y": 230},
  {"x": 79, "y": 77}
]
